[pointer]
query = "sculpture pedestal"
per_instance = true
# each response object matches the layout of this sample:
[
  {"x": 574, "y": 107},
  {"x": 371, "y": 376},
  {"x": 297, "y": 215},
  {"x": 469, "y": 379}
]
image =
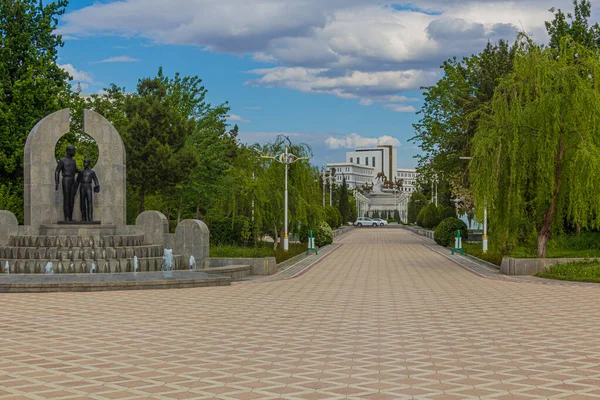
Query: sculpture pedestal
[
  {"x": 79, "y": 223},
  {"x": 78, "y": 229}
]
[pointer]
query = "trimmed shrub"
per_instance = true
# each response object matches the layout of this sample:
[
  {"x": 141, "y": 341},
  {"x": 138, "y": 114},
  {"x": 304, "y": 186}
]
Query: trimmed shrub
[
  {"x": 446, "y": 231},
  {"x": 430, "y": 217},
  {"x": 420, "y": 217},
  {"x": 323, "y": 235},
  {"x": 231, "y": 231}
]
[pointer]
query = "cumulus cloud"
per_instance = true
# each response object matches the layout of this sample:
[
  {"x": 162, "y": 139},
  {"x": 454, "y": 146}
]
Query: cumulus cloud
[
  {"x": 358, "y": 49},
  {"x": 118, "y": 59},
  {"x": 401, "y": 108},
  {"x": 354, "y": 140},
  {"x": 82, "y": 78},
  {"x": 237, "y": 118}
]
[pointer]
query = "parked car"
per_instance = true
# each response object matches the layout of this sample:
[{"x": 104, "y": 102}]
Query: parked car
[
  {"x": 380, "y": 222},
  {"x": 360, "y": 221}
]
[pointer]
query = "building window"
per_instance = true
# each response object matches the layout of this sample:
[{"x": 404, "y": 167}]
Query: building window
[
  {"x": 373, "y": 161},
  {"x": 351, "y": 160},
  {"x": 366, "y": 160},
  {"x": 358, "y": 160}
]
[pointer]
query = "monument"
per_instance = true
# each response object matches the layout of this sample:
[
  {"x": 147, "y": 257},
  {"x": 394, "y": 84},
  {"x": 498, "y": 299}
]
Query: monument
[{"x": 95, "y": 238}]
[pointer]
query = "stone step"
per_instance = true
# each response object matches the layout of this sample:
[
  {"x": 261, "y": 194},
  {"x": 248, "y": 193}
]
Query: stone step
[
  {"x": 79, "y": 266},
  {"x": 77, "y": 241},
  {"x": 79, "y": 253},
  {"x": 232, "y": 271}
]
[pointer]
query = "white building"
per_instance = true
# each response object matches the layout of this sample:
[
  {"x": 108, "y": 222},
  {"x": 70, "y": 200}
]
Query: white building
[{"x": 362, "y": 167}]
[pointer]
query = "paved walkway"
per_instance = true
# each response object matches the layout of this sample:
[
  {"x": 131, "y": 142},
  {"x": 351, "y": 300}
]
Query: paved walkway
[{"x": 381, "y": 317}]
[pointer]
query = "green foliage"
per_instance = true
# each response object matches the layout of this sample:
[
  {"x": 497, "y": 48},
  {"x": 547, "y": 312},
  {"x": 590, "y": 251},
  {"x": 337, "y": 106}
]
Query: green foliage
[
  {"x": 11, "y": 199},
  {"x": 421, "y": 216},
  {"x": 230, "y": 231},
  {"x": 450, "y": 114},
  {"x": 430, "y": 218},
  {"x": 542, "y": 131},
  {"x": 333, "y": 217},
  {"x": 353, "y": 215},
  {"x": 323, "y": 235},
  {"x": 445, "y": 233},
  {"x": 476, "y": 249},
  {"x": 585, "y": 241},
  {"x": 448, "y": 212},
  {"x": 416, "y": 203},
  {"x": 396, "y": 215},
  {"x": 577, "y": 28},
  {"x": 32, "y": 85},
  {"x": 344, "y": 205},
  {"x": 260, "y": 250},
  {"x": 580, "y": 271}
]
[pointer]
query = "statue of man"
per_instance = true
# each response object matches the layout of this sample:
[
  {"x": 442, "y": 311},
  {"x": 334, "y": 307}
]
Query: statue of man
[
  {"x": 84, "y": 182},
  {"x": 68, "y": 168}
]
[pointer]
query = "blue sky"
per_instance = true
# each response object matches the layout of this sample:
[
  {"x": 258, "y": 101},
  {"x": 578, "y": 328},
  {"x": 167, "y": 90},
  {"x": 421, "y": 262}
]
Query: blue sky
[{"x": 331, "y": 73}]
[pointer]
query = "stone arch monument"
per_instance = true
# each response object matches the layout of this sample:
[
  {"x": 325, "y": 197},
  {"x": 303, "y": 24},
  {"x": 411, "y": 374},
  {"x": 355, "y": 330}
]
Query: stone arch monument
[{"x": 43, "y": 204}]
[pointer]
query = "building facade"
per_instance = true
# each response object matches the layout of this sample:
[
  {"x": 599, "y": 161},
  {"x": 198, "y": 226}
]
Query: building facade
[{"x": 363, "y": 167}]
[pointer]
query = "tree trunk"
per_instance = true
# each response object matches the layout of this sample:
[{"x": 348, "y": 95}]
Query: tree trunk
[
  {"x": 578, "y": 230},
  {"x": 546, "y": 232},
  {"x": 281, "y": 234},
  {"x": 276, "y": 238},
  {"x": 198, "y": 207},
  {"x": 142, "y": 201}
]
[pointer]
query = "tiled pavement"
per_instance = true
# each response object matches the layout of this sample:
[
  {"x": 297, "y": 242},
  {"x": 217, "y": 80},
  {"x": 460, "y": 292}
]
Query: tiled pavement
[{"x": 381, "y": 317}]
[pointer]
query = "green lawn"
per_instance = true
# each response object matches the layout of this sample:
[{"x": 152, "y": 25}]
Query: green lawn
[
  {"x": 261, "y": 250},
  {"x": 580, "y": 271}
]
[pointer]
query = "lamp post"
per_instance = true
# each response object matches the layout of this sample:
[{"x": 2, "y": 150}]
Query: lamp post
[
  {"x": 286, "y": 159},
  {"x": 485, "y": 236},
  {"x": 323, "y": 185}
]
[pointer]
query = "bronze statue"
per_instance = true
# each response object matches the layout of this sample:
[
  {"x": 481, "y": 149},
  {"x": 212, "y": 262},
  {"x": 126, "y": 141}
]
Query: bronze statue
[
  {"x": 84, "y": 183},
  {"x": 68, "y": 168}
]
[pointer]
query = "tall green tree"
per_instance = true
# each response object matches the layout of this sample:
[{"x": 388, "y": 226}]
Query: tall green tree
[
  {"x": 32, "y": 85},
  {"x": 344, "y": 205},
  {"x": 450, "y": 113},
  {"x": 536, "y": 147},
  {"x": 578, "y": 26},
  {"x": 155, "y": 138},
  {"x": 416, "y": 202}
]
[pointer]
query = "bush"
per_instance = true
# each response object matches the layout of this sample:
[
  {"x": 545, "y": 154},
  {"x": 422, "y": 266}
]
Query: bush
[
  {"x": 421, "y": 216},
  {"x": 323, "y": 235},
  {"x": 333, "y": 217},
  {"x": 448, "y": 212},
  {"x": 430, "y": 216},
  {"x": 446, "y": 231},
  {"x": 231, "y": 231}
]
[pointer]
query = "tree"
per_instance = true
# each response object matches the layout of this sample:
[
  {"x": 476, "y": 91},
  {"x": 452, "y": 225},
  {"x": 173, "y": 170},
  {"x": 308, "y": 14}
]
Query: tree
[
  {"x": 451, "y": 110},
  {"x": 533, "y": 151},
  {"x": 155, "y": 138},
  {"x": 344, "y": 206},
  {"x": 578, "y": 29},
  {"x": 416, "y": 202},
  {"x": 397, "y": 215},
  {"x": 32, "y": 85}
]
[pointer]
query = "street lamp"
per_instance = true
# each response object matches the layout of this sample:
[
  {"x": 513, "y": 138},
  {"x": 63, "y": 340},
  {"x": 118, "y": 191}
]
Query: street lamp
[
  {"x": 286, "y": 159},
  {"x": 485, "y": 237}
]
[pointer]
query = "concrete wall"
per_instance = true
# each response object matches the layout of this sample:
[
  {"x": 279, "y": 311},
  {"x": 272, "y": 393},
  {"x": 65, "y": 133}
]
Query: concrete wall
[
  {"x": 531, "y": 266},
  {"x": 260, "y": 266}
]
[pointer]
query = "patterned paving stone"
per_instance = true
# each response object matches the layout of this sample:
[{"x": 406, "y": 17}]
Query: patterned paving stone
[{"x": 381, "y": 314}]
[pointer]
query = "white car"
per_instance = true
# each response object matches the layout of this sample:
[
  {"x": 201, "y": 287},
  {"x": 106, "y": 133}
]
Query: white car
[
  {"x": 360, "y": 221},
  {"x": 380, "y": 222}
]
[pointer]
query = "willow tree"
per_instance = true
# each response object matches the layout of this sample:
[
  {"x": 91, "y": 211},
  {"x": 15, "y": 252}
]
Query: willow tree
[{"x": 537, "y": 151}]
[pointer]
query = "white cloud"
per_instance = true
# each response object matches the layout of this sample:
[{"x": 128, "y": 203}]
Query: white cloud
[
  {"x": 354, "y": 140},
  {"x": 359, "y": 49},
  {"x": 237, "y": 118},
  {"x": 118, "y": 59},
  {"x": 82, "y": 78},
  {"x": 401, "y": 108}
]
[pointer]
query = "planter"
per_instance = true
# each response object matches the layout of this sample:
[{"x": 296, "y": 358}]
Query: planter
[{"x": 531, "y": 266}]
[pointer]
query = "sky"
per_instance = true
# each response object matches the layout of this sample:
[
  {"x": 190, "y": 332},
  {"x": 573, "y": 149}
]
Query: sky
[{"x": 334, "y": 74}]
